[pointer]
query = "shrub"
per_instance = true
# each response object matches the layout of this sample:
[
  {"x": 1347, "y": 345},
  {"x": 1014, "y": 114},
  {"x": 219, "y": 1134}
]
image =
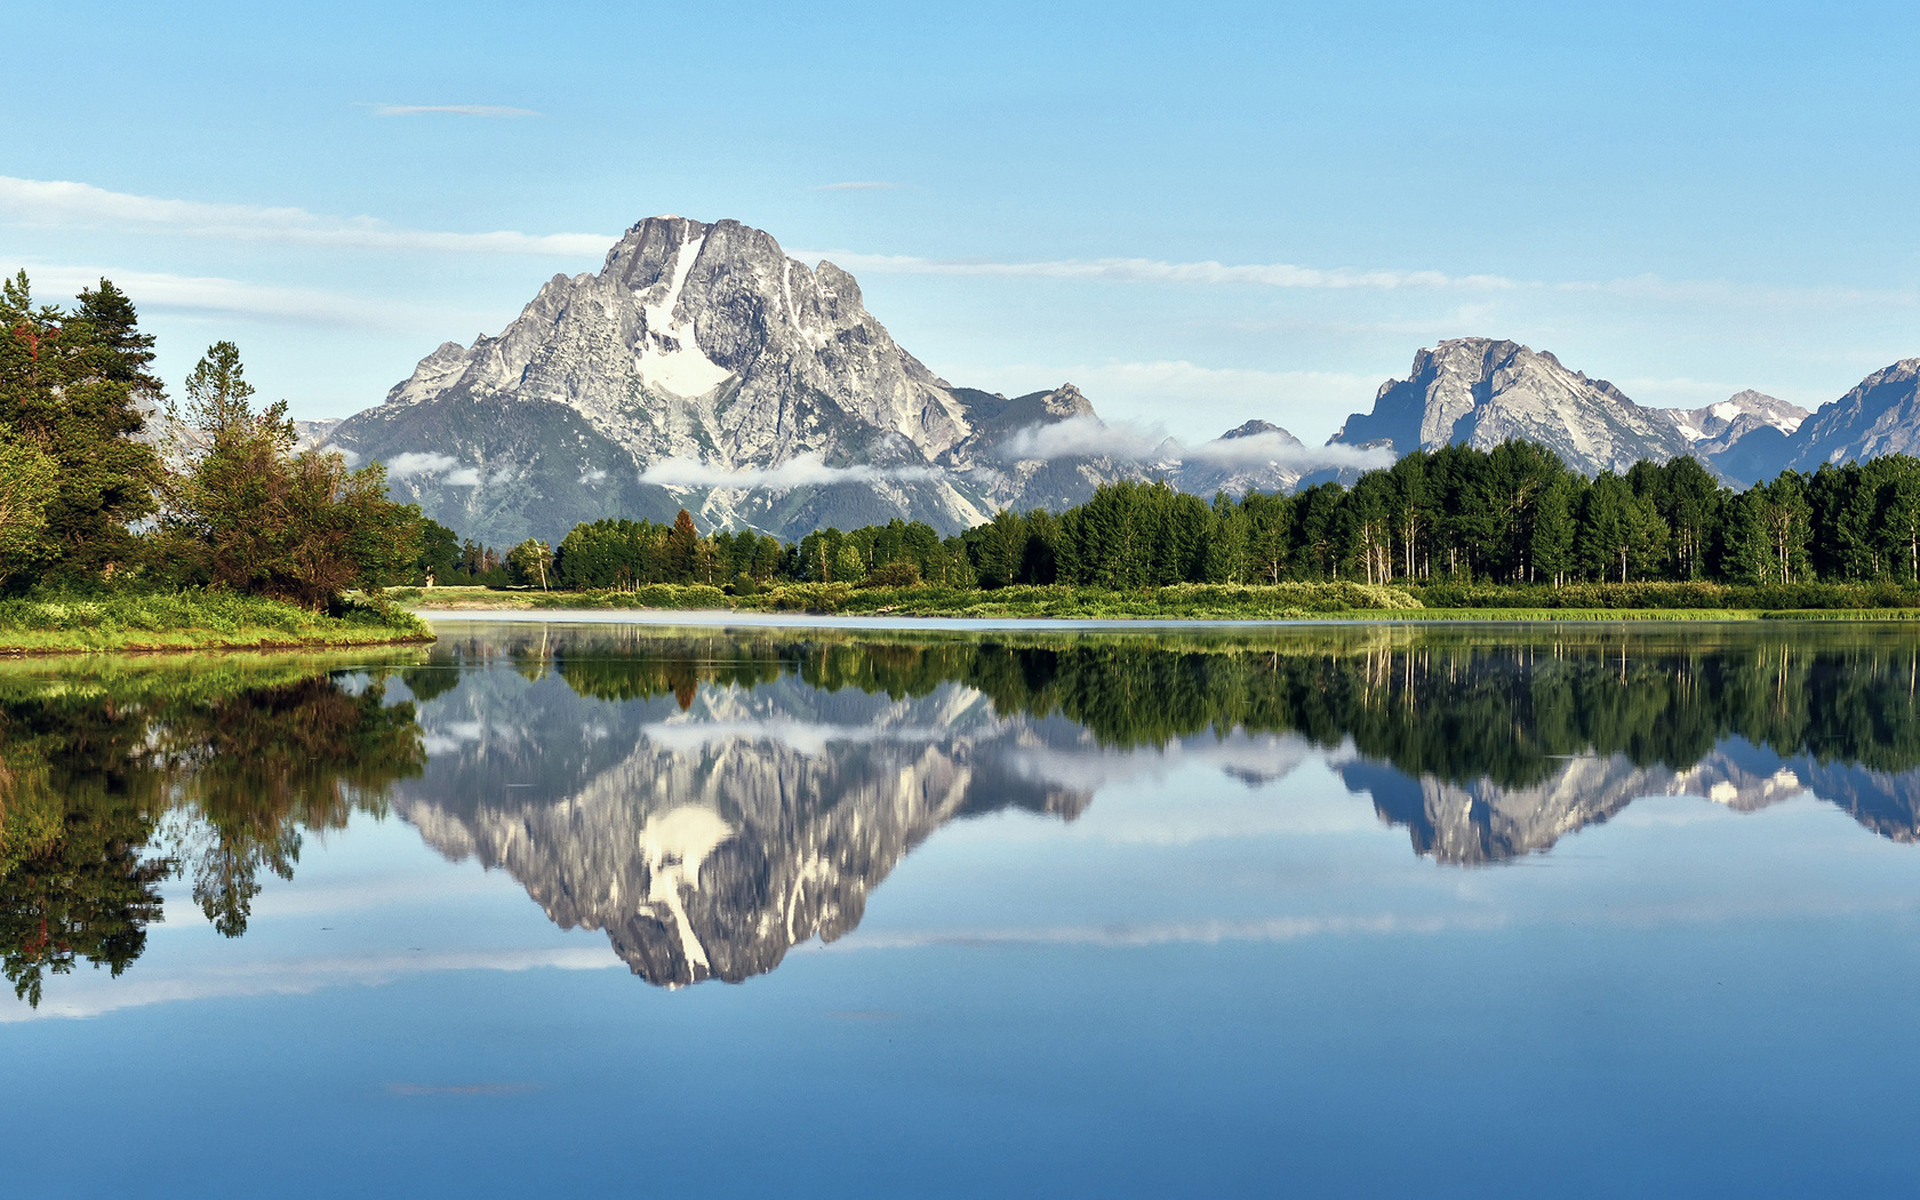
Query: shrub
[{"x": 892, "y": 575}]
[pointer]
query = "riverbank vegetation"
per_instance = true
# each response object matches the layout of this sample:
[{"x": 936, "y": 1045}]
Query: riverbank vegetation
[
  {"x": 130, "y": 521},
  {"x": 1506, "y": 531}
]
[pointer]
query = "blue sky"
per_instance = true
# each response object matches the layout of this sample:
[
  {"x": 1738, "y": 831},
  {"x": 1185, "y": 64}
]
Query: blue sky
[{"x": 1199, "y": 214}]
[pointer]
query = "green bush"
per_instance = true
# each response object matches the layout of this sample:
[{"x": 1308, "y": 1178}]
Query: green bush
[{"x": 892, "y": 575}]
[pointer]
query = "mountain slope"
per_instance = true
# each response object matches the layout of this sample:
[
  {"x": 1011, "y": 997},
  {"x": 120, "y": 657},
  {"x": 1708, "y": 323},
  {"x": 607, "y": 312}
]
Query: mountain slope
[
  {"x": 701, "y": 367},
  {"x": 1480, "y": 392},
  {"x": 1881, "y": 415},
  {"x": 698, "y": 345}
]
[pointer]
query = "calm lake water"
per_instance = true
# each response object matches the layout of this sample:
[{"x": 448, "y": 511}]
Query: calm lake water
[{"x": 589, "y": 909}]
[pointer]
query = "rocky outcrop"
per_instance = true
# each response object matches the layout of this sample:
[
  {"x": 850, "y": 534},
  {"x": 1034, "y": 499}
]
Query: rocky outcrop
[
  {"x": 1881, "y": 415},
  {"x": 1718, "y": 426},
  {"x": 1480, "y": 392},
  {"x": 701, "y": 367}
]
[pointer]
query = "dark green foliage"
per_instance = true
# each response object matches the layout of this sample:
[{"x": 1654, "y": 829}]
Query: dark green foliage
[
  {"x": 248, "y": 768},
  {"x": 71, "y": 385},
  {"x": 244, "y": 512},
  {"x": 1514, "y": 516}
]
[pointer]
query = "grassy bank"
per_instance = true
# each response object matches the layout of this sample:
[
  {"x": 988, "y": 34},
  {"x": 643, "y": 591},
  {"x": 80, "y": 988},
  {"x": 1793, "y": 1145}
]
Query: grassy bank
[
  {"x": 190, "y": 620},
  {"x": 1287, "y": 601}
]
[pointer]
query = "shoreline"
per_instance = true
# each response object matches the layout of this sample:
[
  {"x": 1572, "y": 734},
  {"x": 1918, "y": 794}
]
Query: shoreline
[
  {"x": 187, "y": 622},
  {"x": 714, "y": 618},
  {"x": 15, "y": 650}
]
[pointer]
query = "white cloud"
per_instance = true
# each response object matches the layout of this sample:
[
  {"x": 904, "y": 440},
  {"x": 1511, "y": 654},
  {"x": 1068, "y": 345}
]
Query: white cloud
[
  {"x": 460, "y": 110},
  {"x": 202, "y": 294},
  {"x": 1078, "y": 437},
  {"x": 1149, "y": 270},
  {"x": 464, "y": 477},
  {"x": 593, "y": 475},
  {"x": 1090, "y": 436},
  {"x": 60, "y": 204},
  {"x": 1311, "y": 404},
  {"x": 802, "y": 470},
  {"x": 1206, "y": 932},
  {"x": 419, "y": 463}
]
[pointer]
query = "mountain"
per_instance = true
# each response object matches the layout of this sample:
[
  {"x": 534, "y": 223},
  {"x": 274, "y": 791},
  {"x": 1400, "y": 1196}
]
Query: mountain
[
  {"x": 1881, "y": 415},
  {"x": 1480, "y": 392},
  {"x": 1717, "y": 426},
  {"x": 702, "y": 367},
  {"x": 1765, "y": 436},
  {"x": 1743, "y": 437},
  {"x": 697, "y": 344}
]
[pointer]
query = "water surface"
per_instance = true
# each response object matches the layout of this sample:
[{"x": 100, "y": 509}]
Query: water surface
[{"x": 1317, "y": 910}]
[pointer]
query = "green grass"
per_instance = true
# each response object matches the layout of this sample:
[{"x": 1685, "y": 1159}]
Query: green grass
[
  {"x": 1286, "y": 601},
  {"x": 189, "y": 620},
  {"x": 1190, "y": 601}
]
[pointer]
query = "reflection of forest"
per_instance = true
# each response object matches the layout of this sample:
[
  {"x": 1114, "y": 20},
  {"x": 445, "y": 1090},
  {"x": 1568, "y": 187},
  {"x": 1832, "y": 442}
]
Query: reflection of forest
[
  {"x": 712, "y": 799},
  {"x": 112, "y": 784}
]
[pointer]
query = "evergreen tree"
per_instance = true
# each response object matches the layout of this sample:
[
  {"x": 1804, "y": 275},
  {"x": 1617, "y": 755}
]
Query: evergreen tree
[
  {"x": 244, "y": 512},
  {"x": 70, "y": 384},
  {"x": 1550, "y": 549},
  {"x": 680, "y": 548}
]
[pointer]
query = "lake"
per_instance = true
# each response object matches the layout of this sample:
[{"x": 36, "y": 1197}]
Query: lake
[{"x": 610, "y": 908}]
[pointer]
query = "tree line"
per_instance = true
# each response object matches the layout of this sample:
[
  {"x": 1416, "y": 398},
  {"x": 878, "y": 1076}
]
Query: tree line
[
  {"x": 103, "y": 476},
  {"x": 1515, "y": 514}
]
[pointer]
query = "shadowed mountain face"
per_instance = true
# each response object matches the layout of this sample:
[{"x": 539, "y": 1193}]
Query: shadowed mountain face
[{"x": 710, "y": 800}]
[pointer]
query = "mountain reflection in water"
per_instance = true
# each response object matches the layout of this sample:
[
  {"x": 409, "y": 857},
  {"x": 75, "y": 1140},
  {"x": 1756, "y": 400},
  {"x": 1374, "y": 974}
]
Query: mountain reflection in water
[{"x": 711, "y": 799}]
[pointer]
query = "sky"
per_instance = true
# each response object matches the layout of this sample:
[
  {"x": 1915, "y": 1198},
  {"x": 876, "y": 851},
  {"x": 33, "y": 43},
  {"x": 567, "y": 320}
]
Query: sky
[{"x": 1199, "y": 214}]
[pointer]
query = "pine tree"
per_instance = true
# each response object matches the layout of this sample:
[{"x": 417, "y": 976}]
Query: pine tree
[
  {"x": 70, "y": 384},
  {"x": 680, "y": 548}
]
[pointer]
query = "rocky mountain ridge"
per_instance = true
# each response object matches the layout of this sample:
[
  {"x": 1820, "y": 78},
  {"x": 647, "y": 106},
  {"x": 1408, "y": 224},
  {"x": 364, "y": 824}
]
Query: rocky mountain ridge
[
  {"x": 1482, "y": 391},
  {"x": 702, "y": 367}
]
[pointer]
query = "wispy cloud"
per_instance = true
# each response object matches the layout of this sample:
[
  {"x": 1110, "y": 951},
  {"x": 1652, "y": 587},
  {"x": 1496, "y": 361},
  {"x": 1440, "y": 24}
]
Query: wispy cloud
[
  {"x": 1078, "y": 437},
  {"x": 802, "y": 470},
  {"x": 1150, "y": 270},
  {"x": 458, "y": 110},
  {"x": 856, "y": 185},
  {"x": 420, "y": 463},
  {"x": 1203, "y": 932},
  {"x": 58, "y": 204},
  {"x": 207, "y": 294}
]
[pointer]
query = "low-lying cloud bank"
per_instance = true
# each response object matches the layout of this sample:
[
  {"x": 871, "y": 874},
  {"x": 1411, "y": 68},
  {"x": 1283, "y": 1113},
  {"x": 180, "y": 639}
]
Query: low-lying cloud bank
[
  {"x": 802, "y": 470},
  {"x": 1090, "y": 437}
]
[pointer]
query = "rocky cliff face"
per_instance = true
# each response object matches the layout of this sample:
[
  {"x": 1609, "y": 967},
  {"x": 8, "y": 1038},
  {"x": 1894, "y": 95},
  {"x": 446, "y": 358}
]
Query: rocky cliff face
[
  {"x": 1480, "y": 392},
  {"x": 698, "y": 344},
  {"x": 1717, "y": 426},
  {"x": 702, "y": 367},
  {"x": 1881, "y": 415}
]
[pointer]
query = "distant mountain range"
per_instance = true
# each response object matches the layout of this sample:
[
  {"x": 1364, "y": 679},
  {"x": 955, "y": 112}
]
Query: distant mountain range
[{"x": 703, "y": 368}]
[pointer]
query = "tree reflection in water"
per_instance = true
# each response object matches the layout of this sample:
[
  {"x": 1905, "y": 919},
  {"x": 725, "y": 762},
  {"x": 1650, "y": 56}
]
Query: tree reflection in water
[
  {"x": 712, "y": 799},
  {"x": 112, "y": 786}
]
